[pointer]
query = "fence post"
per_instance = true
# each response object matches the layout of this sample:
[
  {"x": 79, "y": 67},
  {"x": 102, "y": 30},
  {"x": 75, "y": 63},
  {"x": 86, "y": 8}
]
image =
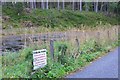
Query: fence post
[
  {"x": 25, "y": 37},
  {"x": 52, "y": 49},
  {"x": 47, "y": 36},
  {"x": 78, "y": 45},
  {"x": 115, "y": 34},
  {"x": 98, "y": 35},
  {"x": 108, "y": 35},
  {"x": 44, "y": 40},
  {"x": 85, "y": 35}
]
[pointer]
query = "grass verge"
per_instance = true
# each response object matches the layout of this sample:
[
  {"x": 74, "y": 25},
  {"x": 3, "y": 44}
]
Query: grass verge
[{"x": 67, "y": 59}]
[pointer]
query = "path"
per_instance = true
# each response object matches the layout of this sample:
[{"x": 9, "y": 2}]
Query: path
[{"x": 106, "y": 67}]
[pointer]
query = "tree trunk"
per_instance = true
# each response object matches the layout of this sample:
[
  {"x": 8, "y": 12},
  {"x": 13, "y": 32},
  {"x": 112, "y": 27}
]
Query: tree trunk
[
  {"x": 42, "y": 5},
  {"x": 47, "y": 4},
  {"x": 106, "y": 5},
  {"x": 96, "y": 6},
  {"x": 73, "y": 4},
  {"x": 101, "y": 9},
  {"x": 31, "y": 4},
  {"x": 3, "y": 2},
  {"x": 34, "y": 3},
  {"x": 28, "y": 5},
  {"x": 80, "y": 5},
  {"x": 15, "y": 2},
  {"x": 86, "y": 4},
  {"x": 58, "y": 5},
  {"x": 63, "y": 5},
  {"x": 39, "y": 4}
]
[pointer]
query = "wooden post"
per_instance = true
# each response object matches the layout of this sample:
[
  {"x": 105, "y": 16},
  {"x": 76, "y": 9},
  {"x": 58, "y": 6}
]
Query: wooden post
[
  {"x": 25, "y": 37},
  {"x": 47, "y": 36},
  {"x": 44, "y": 40},
  {"x": 85, "y": 36},
  {"x": 78, "y": 45},
  {"x": 108, "y": 35},
  {"x": 98, "y": 37},
  {"x": 52, "y": 49},
  {"x": 115, "y": 34},
  {"x": 108, "y": 40}
]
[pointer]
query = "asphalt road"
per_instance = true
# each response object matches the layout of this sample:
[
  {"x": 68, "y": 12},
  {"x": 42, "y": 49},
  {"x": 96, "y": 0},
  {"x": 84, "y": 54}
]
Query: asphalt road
[{"x": 105, "y": 67}]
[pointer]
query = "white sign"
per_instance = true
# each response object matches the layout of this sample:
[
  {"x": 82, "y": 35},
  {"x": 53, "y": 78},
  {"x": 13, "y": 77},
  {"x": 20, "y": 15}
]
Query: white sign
[{"x": 39, "y": 58}]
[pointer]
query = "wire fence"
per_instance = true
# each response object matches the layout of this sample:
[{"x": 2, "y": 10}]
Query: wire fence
[{"x": 15, "y": 43}]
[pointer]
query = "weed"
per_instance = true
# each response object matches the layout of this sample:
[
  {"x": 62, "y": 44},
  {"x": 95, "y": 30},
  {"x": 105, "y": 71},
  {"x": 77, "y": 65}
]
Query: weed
[{"x": 19, "y": 65}]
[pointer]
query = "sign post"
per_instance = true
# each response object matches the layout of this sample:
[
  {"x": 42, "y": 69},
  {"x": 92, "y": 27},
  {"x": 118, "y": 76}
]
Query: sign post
[{"x": 39, "y": 59}]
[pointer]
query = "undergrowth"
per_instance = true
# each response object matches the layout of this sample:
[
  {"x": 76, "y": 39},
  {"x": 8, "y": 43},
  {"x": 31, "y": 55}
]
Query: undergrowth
[
  {"x": 53, "y": 18},
  {"x": 19, "y": 64}
]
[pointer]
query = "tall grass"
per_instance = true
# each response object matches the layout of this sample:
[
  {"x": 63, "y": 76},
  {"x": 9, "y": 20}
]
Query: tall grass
[{"x": 19, "y": 64}]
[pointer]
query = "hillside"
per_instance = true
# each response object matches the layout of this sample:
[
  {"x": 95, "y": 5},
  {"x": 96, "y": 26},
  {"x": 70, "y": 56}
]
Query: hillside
[
  {"x": 54, "y": 18},
  {"x": 73, "y": 39}
]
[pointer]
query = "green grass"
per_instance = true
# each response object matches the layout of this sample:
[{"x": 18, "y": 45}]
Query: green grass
[
  {"x": 61, "y": 19},
  {"x": 19, "y": 64}
]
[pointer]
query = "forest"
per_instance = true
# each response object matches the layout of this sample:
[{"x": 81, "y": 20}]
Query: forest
[{"x": 60, "y": 14}]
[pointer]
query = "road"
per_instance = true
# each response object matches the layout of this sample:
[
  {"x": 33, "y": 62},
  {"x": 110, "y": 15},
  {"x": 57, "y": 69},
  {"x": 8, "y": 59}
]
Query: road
[{"x": 105, "y": 67}]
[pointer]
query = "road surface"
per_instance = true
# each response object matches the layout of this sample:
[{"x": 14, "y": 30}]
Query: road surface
[{"x": 105, "y": 67}]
